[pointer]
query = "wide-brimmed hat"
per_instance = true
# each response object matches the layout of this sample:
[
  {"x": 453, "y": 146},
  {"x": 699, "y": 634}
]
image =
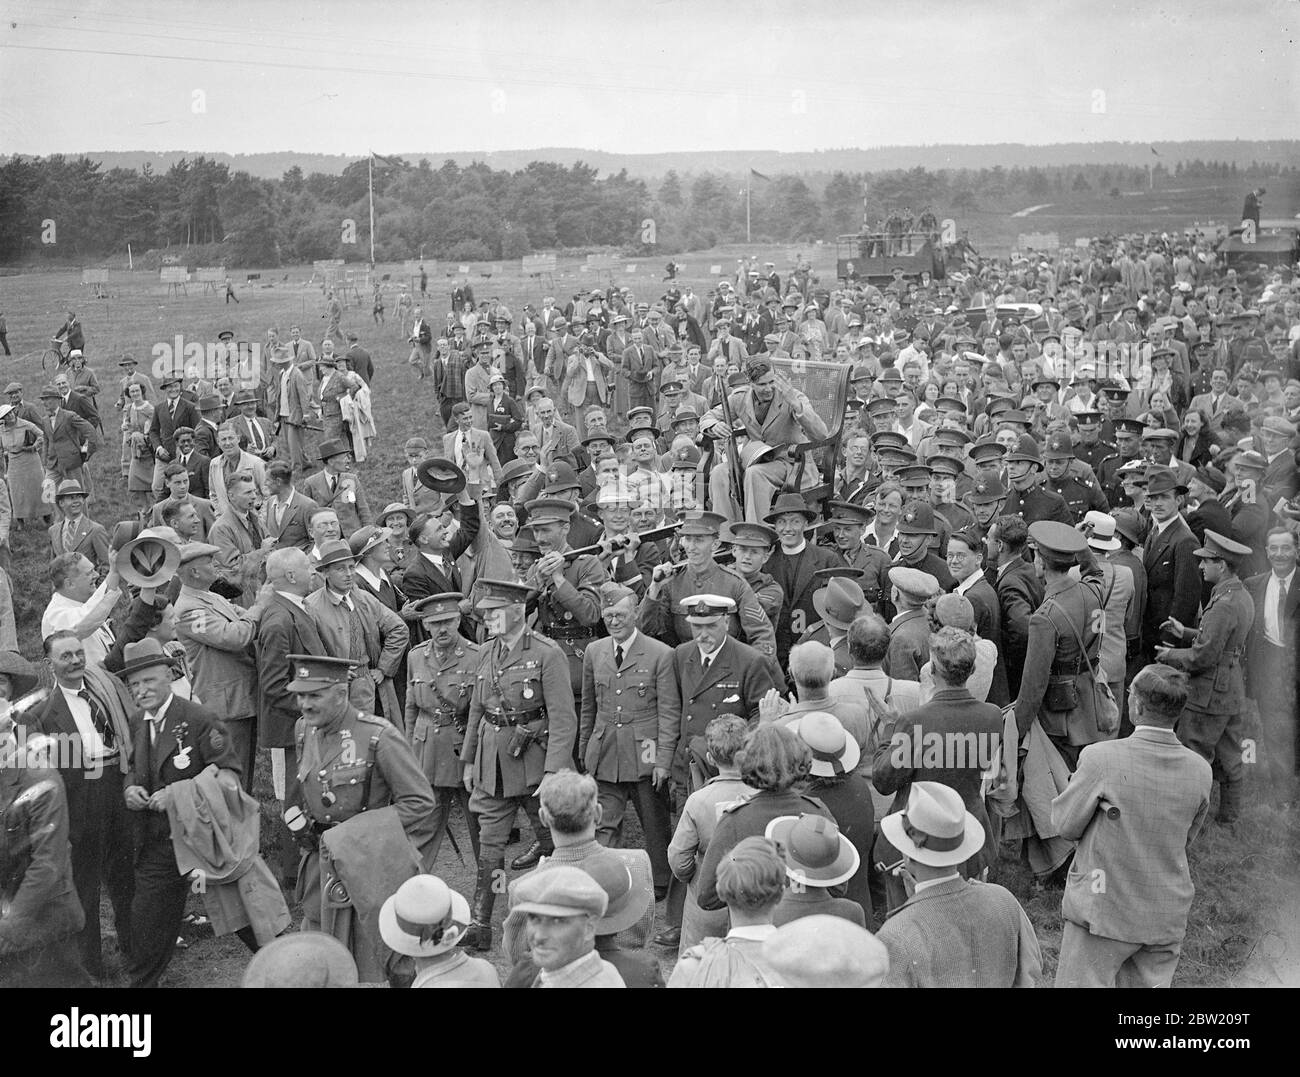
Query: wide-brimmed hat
[
  {"x": 787, "y": 503},
  {"x": 1128, "y": 524},
  {"x": 625, "y": 876},
  {"x": 302, "y": 959},
  {"x": 839, "y": 602},
  {"x": 1163, "y": 480},
  {"x": 814, "y": 850},
  {"x": 69, "y": 488},
  {"x": 332, "y": 552},
  {"x": 825, "y": 951},
  {"x": 365, "y": 539},
  {"x": 1102, "y": 536},
  {"x": 935, "y": 828},
  {"x": 147, "y": 560},
  {"x": 332, "y": 447},
  {"x": 834, "y": 751},
  {"x": 396, "y": 507},
  {"x": 440, "y": 475},
  {"x": 424, "y": 918},
  {"x": 143, "y": 655}
]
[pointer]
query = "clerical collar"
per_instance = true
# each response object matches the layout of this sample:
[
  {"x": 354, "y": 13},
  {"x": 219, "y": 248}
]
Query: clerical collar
[{"x": 803, "y": 545}]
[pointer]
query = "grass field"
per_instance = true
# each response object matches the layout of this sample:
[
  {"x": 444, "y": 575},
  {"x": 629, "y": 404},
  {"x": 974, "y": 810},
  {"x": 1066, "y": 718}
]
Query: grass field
[{"x": 1242, "y": 879}]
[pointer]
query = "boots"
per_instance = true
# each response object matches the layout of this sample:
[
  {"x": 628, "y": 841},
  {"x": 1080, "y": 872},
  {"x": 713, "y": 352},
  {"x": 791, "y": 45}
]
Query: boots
[
  {"x": 1229, "y": 803},
  {"x": 479, "y": 935}
]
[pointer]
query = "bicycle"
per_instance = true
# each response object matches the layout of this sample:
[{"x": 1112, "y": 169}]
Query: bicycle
[{"x": 54, "y": 358}]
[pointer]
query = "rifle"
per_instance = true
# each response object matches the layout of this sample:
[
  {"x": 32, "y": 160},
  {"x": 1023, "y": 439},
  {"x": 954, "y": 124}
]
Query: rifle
[{"x": 619, "y": 542}]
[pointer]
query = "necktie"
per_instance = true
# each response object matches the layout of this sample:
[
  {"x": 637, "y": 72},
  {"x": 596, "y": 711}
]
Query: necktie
[
  {"x": 1281, "y": 605},
  {"x": 173, "y": 407},
  {"x": 618, "y": 654},
  {"x": 708, "y": 662},
  {"x": 69, "y": 535},
  {"x": 279, "y": 513},
  {"x": 256, "y": 429},
  {"x": 333, "y": 482},
  {"x": 99, "y": 719},
  {"x": 356, "y": 636},
  {"x": 254, "y": 529}
]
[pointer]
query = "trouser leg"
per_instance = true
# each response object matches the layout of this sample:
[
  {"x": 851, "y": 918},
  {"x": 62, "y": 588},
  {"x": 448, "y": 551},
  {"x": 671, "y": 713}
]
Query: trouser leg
[
  {"x": 86, "y": 819},
  {"x": 290, "y": 854},
  {"x": 156, "y": 911},
  {"x": 1150, "y": 966},
  {"x": 652, "y": 809},
  {"x": 1089, "y": 960},
  {"x": 119, "y": 856},
  {"x": 762, "y": 481},
  {"x": 533, "y": 809},
  {"x": 243, "y": 737}
]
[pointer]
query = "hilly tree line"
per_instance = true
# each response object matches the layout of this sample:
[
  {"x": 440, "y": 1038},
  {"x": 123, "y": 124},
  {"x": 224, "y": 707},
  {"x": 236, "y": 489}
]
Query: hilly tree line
[{"x": 476, "y": 212}]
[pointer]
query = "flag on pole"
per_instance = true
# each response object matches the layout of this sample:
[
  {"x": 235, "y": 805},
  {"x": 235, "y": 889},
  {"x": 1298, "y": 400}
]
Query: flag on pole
[
  {"x": 380, "y": 159},
  {"x": 1153, "y": 150},
  {"x": 759, "y": 175}
]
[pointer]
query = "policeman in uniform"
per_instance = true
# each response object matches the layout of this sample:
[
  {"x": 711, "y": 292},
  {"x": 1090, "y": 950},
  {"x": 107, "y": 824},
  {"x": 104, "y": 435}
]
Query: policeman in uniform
[
  {"x": 439, "y": 686},
  {"x": 348, "y": 762},
  {"x": 1092, "y": 450},
  {"x": 630, "y": 710},
  {"x": 945, "y": 475},
  {"x": 1213, "y": 721},
  {"x": 568, "y": 603},
  {"x": 1027, "y": 498},
  {"x": 1128, "y": 447},
  {"x": 751, "y": 545},
  {"x": 1057, "y": 686},
  {"x": 522, "y": 726},
  {"x": 1081, "y": 496},
  {"x": 662, "y": 615},
  {"x": 986, "y": 499}
]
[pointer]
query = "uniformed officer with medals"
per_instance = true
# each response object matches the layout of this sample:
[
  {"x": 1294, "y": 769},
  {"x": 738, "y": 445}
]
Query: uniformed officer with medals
[
  {"x": 522, "y": 726},
  {"x": 439, "y": 686},
  {"x": 568, "y": 599},
  {"x": 1213, "y": 722},
  {"x": 349, "y": 764}
]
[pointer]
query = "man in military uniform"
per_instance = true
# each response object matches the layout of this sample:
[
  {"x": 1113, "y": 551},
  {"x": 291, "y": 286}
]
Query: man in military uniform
[
  {"x": 1092, "y": 450},
  {"x": 1080, "y": 495},
  {"x": 1027, "y": 497},
  {"x": 1128, "y": 433},
  {"x": 985, "y": 499},
  {"x": 1056, "y": 688},
  {"x": 349, "y": 763},
  {"x": 945, "y": 471},
  {"x": 439, "y": 686},
  {"x": 568, "y": 604},
  {"x": 522, "y": 726},
  {"x": 916, "y": 527},
  {"x": 661, "y": 615},
  {"x": 751, "y": 546},
  {"x": 1213, "y": 721},
  {"x": 848, "y": 524},
  {"x": 630, "y": 711}
]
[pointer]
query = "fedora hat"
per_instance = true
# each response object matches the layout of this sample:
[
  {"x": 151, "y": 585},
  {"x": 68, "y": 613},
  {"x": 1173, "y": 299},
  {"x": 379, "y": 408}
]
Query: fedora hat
[
  {"x": 22, "y": 674},
  {"x": 332, "y": 447},
  {"x": 440, "y": 475},
  {"x": 69, "y": 488},
  {"x": 754, "y": 452},
  {"x": 935, "y": 828},
  {"x": 424, "y": 918},
  {"x": 1102, "y": 536},
  {"x": 814, "y": 850},
  {"x": 790, "y": 502},
  {"x": 302, "y": 959},
  {"x": 332, "y": 552},
  {"x": 147, "y": 560},
  {"x": 825, "y": 951},
  {"x": 624, "y": 875},
  {"x": 1128, "y": 525},
  {"x": 1163, "y": 480},
  {"x": 834, "y": 751},
  {"x": 839, "y": 602},
  {"x": 143, "y": 655}
]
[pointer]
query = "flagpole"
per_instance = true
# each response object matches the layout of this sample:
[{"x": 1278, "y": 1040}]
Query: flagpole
[
  {"x": 748, "y": 184},
  {"x": 370, "y": 167}
]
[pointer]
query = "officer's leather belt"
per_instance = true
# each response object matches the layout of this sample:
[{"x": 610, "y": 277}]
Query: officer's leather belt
[
  {"x": 506, "y": 719},
  {"x": 443, "y": 718},
  {"x": 568, "y": 634},
  {"x": 1066, "y": 669}
]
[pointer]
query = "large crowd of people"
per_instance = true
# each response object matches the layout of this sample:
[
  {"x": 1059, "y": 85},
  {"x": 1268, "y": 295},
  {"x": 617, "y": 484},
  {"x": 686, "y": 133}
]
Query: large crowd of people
[{"x": 850, "y": 592}]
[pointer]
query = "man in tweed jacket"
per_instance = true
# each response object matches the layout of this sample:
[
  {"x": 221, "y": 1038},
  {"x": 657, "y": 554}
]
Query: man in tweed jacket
[{"x": 1134, "y": 805}]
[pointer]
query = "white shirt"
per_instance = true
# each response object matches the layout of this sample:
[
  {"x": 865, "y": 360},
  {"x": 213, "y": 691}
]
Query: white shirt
[
  {"x": 969, "y": 582},
  {"x": 1161, "y": 528},
  {"x": 65, "y": 613},
  {"x": 284, "y": 389},
  {"x": 627, "y": 643},
  {"x": 156, "y": 720},
  {"x": 337, "y": 599},
  {"x": 289, "y": 596},
  {"x": 91, "y": 741},
  {"x": 707, "y": 659},
  {"x": 370, "y": 577},
  {"x": 803, "y": 545},
  {"x": 1274, "y": 593},
  {"x": 755, "y": 932}
]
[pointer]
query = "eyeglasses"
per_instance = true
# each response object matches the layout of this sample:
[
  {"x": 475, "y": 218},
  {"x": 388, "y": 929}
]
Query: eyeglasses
[{"x": 528, "y": 448}]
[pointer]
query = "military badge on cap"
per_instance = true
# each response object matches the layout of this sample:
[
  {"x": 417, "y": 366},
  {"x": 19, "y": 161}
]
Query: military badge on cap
[{"x": 701, "y": 609}]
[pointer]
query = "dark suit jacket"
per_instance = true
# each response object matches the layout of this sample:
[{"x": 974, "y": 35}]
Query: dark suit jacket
[
  {"x": 197, "y": 465},
  {"x": 988, "y": 625},
  {"x": 156, "y": 766},
  {"x": 81, "y": 404},
  {"x": 1020, "y": 592},
  {"x": 1173, "y": 580},
  {"x": 361, "y": 362},
  {"x": 245, "y": 429},
  {"x": 91, "y": 539},
  {"x": 352, "y": 516},
  {"x": 162, "y": 430},
  {"x": 292, "y": 529},
  {"x": 387, "y": 592},
  {"x": 284, "y": 629},
  {"x": 66, "y": 432},
  {"x": 951, "y": 714},
  {"x": 205, "y": 439},
  {"x": 1256, "y": 667},
  {"x": 1210, "y": 514}
]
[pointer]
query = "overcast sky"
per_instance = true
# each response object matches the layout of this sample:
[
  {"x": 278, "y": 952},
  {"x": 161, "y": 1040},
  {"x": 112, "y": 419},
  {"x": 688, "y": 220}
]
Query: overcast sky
[{"x": 347, "y": 76}]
